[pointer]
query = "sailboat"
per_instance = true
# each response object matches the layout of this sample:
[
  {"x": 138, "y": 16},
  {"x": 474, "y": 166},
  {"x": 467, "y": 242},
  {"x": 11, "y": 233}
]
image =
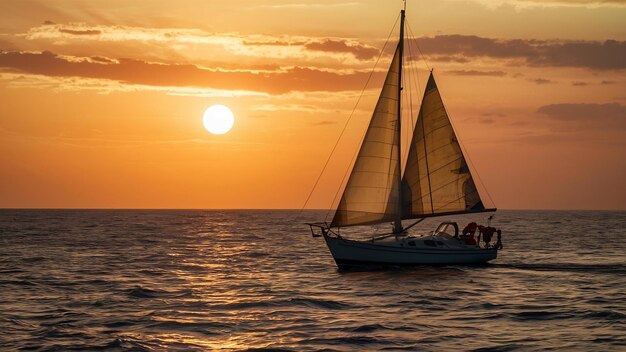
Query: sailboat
[{"x": 437, "y": 181}]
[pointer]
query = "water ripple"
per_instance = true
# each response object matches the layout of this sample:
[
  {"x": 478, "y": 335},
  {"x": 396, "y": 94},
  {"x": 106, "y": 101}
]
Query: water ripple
[{"x": 198, "y": 280}]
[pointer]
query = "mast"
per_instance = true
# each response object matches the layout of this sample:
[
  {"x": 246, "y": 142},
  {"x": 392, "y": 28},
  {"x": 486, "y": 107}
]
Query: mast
[{"x": 397, "y": 223}]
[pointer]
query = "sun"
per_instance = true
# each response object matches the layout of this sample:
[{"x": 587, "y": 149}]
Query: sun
[{"x": 218, "y": 119}]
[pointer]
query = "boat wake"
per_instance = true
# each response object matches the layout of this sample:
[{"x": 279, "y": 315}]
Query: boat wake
[{"x": 566, "y": 267}]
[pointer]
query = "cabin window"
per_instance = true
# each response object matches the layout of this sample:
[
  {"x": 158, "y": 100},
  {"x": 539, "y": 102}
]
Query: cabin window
[
  {"x": 412, "y": 243},
  {"x": 430, "y": 243},
  {"x": 440, "y": 243}
]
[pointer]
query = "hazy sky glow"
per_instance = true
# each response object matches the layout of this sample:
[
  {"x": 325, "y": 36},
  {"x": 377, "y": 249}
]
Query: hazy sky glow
[{"x": 102, "y": 101}]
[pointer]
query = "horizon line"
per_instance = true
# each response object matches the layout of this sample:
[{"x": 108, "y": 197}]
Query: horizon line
[{"x": 278, "y": 209}]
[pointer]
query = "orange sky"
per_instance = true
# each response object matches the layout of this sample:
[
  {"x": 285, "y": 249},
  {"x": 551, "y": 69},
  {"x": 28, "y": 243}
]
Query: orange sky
[{"x": 102, "y": 101}]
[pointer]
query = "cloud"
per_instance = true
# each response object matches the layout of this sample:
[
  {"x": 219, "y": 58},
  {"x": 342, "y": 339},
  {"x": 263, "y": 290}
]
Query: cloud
[
  {"x": 102, "y": 59},
  {"x": 323, "y": 123},
  {"x": 582, "y": 3},
  {"x": 496, "y": 114},
  {"x": 359, "y": 51},
  {"x": 105, "y": 86},
  {"x": 80, "y": 32},
  {"x": 254, "y": 45},
  {"x": 477, "y": 73},
  {"x": 608, "y": 82},
  {"x": 312, "y": 109},
  {"x": 493, "y": 4},
  {"x": 540, "y": 80},
  {"x": 449, "y": 58},
  {"x": 580, "y": 84},
  {"x": 600, "y": 116},
  {"x": 139, "y": 72},
  {"x": 311, "y": 5},
  {"x": 607, "y": 55},
  {"x": 595, "y": 55}
]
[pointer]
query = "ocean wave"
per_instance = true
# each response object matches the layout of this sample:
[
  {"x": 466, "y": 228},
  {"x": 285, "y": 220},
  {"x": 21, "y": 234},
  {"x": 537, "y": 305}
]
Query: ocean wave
[
  {"x": 207, "y": 328},
  {"x": 267, "y": 349},
  {"x": 540, "y": 315},
  {"x": 360, "y": 340},
  {"x": 17, "y": 282},
  {"x": 606, "y": 315},
  {"x": 285, "y": 302},
  {"x": 368, "y": 328},
  {"x": 142, "y": 292}
]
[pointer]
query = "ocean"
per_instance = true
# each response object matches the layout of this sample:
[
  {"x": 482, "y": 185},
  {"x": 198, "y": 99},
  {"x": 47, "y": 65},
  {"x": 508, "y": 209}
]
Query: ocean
[{"x": 203, "y": 280}]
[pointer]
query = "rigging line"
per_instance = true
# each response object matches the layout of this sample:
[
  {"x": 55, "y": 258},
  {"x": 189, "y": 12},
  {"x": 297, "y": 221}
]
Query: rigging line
[
  {"x": 413, "y": 70},
  {"x": 418, "y": 48},
  {"x": 466, "y": 154},
  {"x": 415, "y": 223},
  {"x": 408, "y": 110},
  {"x": 344, "y": 129},
  {"x": 412, "y": 67},
  {"x": 430, "y": 191},
  {"x": 406, "y": 93},
  {"x": 416, "y": 69},
  {"x": 411, "y": 129}
]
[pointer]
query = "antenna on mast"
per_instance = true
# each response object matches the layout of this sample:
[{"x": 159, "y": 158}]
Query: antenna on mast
[{"x": 404, "y": 1}]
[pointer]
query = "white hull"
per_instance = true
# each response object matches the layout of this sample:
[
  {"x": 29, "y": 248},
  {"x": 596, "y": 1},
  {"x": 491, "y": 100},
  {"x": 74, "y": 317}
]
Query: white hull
[{"x": 397, "y": 251}]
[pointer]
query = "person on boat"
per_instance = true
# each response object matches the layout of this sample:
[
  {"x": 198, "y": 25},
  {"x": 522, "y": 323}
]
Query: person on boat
[
  {"x": 468, "y": 233},
  {"x": 498, "y": 244},
  {"x": 470, "y": 229},
  {"x": 488, "y": 234}
]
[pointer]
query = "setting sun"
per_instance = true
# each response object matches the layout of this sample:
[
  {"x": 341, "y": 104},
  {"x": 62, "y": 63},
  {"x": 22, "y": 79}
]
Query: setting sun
[{"x": 218, "y": 119}]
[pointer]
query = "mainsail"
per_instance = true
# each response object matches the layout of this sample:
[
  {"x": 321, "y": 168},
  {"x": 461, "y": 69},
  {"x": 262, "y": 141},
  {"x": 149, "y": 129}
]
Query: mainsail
[
  {"x": 437, "y": 179},
  {"x": 372, "y": 191}
]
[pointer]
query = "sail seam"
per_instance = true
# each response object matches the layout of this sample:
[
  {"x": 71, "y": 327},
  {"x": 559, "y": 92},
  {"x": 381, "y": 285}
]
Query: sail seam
[
  {"x": 380, "y": 128},
  {"x": 456, "y": 200},
  {"x": 444, "y": 165},
  {"x": 371, "y": 172},
  {"x": 445, "y": 185},
  {"x": 439, "y": 148},
  {"x": 452, "y": 201},
  {"x": 435, "y": 129}
]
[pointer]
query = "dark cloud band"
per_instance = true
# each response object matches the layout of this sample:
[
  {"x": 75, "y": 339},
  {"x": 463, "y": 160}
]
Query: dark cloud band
[
  {"x": 176, "y": 75},
  {"x": 607, "y": 55}
]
